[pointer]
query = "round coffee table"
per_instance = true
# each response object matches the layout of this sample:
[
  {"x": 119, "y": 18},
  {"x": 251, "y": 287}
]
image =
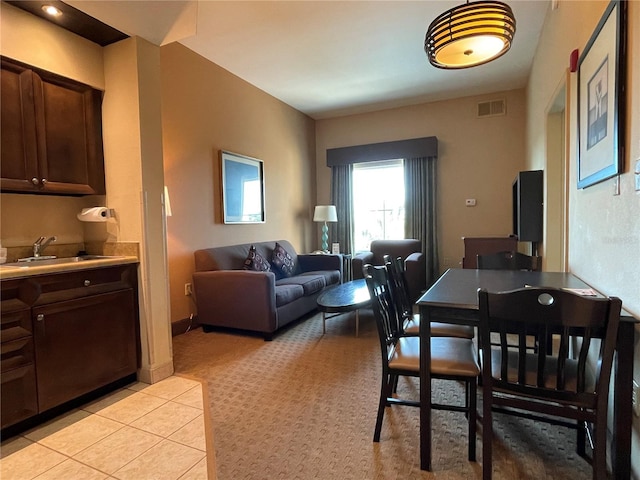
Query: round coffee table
[{"x": 346, "y": 297}]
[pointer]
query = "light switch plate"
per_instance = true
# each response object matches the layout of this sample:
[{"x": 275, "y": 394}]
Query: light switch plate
[{"x": 470, "y": 202}]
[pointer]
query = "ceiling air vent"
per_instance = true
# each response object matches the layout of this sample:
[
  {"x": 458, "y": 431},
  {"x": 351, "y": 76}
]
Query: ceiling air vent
[{"x": 493, "y": 108}]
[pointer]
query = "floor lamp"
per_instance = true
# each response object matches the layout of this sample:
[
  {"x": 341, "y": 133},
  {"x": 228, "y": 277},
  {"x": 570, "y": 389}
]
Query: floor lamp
[{"x": 325, "y": 213}]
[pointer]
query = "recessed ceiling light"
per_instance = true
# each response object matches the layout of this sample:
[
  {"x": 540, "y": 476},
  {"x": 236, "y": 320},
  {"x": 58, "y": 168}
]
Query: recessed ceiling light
[{"x": 51, "y": 10}]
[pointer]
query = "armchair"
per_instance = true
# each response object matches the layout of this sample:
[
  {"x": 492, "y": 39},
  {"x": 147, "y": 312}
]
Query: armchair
[{"x": 410, "y": 250}]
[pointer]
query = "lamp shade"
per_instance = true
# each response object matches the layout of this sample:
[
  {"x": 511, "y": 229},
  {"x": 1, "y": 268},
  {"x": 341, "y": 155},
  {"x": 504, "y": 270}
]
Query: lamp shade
[
  {"x": 325, "y": 213},
  {"x": 470, "y": 34}
]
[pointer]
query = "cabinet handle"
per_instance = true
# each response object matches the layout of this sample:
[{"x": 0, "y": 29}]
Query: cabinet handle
[
  {"x": 44, "y": 181},
  {"x": 87, "y": 283},
  {"x": 40, "y": 317},
  {"x": 34, "y": 180}
]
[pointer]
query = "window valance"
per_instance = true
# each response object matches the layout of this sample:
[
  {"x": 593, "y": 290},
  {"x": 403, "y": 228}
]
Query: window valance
[{"x": 373, "y": 152}]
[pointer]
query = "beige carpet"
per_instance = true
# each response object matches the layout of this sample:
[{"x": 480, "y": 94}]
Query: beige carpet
[{"x": 303, "y": 407}]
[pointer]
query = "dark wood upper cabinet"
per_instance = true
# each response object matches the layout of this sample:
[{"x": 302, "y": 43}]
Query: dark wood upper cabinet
[{"x": 51, "y": 133}]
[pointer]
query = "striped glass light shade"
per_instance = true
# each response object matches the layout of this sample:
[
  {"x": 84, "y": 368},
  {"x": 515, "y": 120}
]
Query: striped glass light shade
[{"x": 470, "y": 35}]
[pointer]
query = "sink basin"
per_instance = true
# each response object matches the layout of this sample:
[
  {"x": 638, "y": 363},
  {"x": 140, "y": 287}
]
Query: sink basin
[{"x": 37, "y": 262}]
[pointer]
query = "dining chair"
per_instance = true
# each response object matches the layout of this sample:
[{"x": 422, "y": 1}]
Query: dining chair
[
  {"x": 559, "y": 389},
  {"x": 508, "y": 261},
  {"x": 410, "y": 325},
  {"x": 511, "y": 260},
  {"x": 451, "y": 358}
]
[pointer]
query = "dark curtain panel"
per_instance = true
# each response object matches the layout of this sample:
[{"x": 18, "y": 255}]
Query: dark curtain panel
[
  {"x": 420, "y": 209},
  {"x": 342, "y": 198}
]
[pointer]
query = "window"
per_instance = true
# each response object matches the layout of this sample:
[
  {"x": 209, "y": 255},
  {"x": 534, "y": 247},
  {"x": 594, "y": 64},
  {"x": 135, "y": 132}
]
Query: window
[{"x": 378, "y": 202}]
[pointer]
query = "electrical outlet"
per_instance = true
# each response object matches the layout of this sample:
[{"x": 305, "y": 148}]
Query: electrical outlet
[
  {"x": 635, "y": 399},
  {"x": 470, "y": 202},
  {"x": 188, "y": 290}
]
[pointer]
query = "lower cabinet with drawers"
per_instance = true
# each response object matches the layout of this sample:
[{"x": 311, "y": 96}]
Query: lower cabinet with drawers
[{"x": 65, "y": 335}]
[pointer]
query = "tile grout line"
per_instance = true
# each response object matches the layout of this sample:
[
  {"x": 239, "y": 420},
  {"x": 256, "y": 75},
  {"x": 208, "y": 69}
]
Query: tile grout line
[{"x": 162, "y": 437}]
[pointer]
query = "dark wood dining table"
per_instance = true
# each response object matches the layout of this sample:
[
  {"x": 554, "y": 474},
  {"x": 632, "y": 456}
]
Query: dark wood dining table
[{"x": 454, "y": 299}]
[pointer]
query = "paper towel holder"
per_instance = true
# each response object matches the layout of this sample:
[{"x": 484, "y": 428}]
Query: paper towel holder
[{"x": 96, "y": 214}]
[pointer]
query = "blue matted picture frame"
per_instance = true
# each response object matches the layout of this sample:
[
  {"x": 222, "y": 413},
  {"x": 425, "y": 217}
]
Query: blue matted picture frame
[{"x": 242, "y": 189}]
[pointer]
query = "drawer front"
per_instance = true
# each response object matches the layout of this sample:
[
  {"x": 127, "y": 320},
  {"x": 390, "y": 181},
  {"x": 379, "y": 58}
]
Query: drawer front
[
  {"x": 14, "y": 324},
  {"x": 19, "y": 400},
  {"x": 70, "y": 285},
  {"x": 16, "y": 354}
]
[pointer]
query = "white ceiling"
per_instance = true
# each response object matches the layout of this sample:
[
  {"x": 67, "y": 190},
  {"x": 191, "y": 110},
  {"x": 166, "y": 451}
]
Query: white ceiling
[{"x": 326, "y": 58}]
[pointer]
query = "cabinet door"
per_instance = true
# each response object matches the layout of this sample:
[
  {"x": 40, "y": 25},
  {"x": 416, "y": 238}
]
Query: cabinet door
[
  {"x": 51, "y": 133},
  {"x": 83, "y": 344},
  {"x": 18, "y": 154},
  {"x": 68, "y": 115}
]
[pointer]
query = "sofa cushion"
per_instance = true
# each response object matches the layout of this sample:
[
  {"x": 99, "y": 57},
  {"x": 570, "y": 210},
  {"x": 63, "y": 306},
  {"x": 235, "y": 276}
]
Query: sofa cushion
[
  {"x": 288, "y": 293},
  {"x": 331, "y": 277},
  {"x": 255, "y": 261},
  {"x": 309, "y": 283},
  {"x": 282, "y": 261}
]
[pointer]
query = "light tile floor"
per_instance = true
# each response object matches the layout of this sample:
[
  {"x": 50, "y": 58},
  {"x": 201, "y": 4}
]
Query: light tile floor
[{"x": 154, "y": 432}]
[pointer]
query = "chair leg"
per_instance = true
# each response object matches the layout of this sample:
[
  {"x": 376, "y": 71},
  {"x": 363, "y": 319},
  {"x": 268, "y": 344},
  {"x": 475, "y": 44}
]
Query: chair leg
[
  {"x": 487, "y": 436},
  {"x": 395, "y": 383},
  {"x": 385, "y": 392},
  {"x": 581, "y": 438},
  {"x": 599, "y": 463},
  {"x": 472, "y": 415}
]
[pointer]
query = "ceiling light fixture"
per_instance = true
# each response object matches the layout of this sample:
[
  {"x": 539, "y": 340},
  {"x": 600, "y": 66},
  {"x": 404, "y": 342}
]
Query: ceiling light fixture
[
  {"x": 470, "y": 35},
  {"x": 51, "y": 10}
]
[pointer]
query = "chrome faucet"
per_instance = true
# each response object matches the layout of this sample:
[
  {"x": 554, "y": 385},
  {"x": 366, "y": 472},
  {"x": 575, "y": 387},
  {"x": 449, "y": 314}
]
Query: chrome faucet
[{"x": 40, "y": 244}]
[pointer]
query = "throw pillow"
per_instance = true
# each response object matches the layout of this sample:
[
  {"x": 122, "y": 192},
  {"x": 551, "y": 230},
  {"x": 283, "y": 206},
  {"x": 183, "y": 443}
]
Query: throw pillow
[
  {"x": 256, "y": 262},
  {"x": 282, "y": 261}
]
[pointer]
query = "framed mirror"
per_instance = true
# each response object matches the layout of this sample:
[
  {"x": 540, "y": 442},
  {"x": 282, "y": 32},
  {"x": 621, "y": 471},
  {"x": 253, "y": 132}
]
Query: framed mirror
[{"x": 242, "y": 189}]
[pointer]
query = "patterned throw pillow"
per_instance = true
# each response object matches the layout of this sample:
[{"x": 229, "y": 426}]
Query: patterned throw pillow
[
  {"x": 256, "y": 262},
  {"x": 282, "y": 261}
]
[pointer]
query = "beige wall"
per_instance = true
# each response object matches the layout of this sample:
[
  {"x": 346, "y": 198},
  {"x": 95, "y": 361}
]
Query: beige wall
[
  {"x": 205, "y": 109},
  {"x": 604, "y": 230},
  {"x": 477, "y": 158},
  {"x": 29, "y": 39}
]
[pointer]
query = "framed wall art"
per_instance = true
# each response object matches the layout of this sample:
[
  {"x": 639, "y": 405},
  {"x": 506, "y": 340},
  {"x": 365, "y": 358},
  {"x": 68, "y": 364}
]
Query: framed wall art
[
  {"x": 242, "y": 188},
  {"x": 601, "y": 112}
]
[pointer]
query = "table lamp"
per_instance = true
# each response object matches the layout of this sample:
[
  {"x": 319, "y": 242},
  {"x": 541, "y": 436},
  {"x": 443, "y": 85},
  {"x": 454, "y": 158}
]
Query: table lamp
[{"x": 325, "y": 213}]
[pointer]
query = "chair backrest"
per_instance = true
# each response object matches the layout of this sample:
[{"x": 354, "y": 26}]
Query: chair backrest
[
  {"x": 399, "y": 286},
  {"x": 383, "y": 305},
  {"x": 509, "y": 261},
  {"x": 544, "y": 312}
]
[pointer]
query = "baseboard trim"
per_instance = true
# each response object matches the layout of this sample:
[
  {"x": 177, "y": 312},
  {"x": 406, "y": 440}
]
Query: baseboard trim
[
  {"x": 184, "y": 325},
  {"x": 154, "y": 375}
]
